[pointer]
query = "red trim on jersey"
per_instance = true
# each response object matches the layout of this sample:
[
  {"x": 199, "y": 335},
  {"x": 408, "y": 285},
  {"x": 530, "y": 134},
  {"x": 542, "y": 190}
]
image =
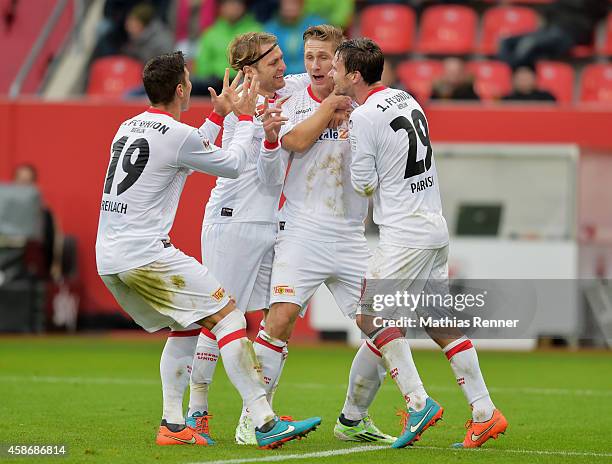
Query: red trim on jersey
[
  {"x": 231, "y": 337},
  {"x": 386, "y": 336},
  {"x": 216, "y": 118},
  {"x": 270, "y": 145},
  {"x": 184, "y": 333},
  {"x": 466, "y": 345},
  {"x": 245, "y": 117},
  {"x": 373, "y": 349},
  {"x": 208, "y": 333},
  {"x": 263, "y": 342},
  {"x": 312, "y": 95},
  {"x": 150, "y": 109},
  {"x": 374, "y": 90}
]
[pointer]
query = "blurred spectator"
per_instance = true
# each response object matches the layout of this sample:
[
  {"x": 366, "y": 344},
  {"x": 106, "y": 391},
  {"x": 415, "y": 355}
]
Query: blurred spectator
[
  {"x": 191, "y": 17},
  {"x": 567, "y": 23},
  {"x": 289, "y": 26},
  {"x": 211, "y": 56},
  {"x": 148, "y": 36},
  {"x": 263, "y": 10},
  {"x": 25, "y": 174},
  {"x": 389, "y": 76},
  {"x": 525, "y": 87},
  {"x": 336, "y": 12},
  {"x": 455, "y": 83}
]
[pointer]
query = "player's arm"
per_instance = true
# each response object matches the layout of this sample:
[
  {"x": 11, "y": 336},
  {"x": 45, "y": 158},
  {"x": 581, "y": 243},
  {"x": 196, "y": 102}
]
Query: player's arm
[
  {"x": 272, "y": 161},
  {"x": 364, "y": 176},
  {"x": 303, "y": 135}
]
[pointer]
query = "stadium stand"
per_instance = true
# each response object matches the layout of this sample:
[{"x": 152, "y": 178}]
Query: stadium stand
[
  {"x": 505, "y": 21},
  {"x": 493, "y": 79},
  {"x": 596, "y": 84},
  {"x": 557, "y": 78},
  {"x": 448, "y": 29},
  {"x": 113, "y": 76},
  {"x": 417, "y": 76},
  {"x": 606, "y": 44},
  {"x": 391, "y": 26}
]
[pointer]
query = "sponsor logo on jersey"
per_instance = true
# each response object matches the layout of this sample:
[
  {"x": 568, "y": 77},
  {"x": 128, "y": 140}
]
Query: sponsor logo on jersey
[
  {"x": 227, "y": 212},
  {"x": 284, "y": 290},
  {"x": 206, "y": 143},
  {"x": 219, "y": 294},
  {"x": 339, "y": 134}
]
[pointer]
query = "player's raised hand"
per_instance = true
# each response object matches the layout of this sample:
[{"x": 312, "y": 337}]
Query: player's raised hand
[
  {"x": 223, "y": 103},
  {"x": 273, "y": 119},
  {"x": 247, "y": 102}
]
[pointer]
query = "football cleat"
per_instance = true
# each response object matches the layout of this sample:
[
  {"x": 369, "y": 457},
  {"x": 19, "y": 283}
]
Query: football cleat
[
  {"x": 414, "y": 423},
  {"x": 199, "y": 422},
  {"x": 479, "y": 432},
  {"x": 245, "y": 431},
  {"x": 284, "y": 431},
  {"x": 365, "y": 431},
  {"x": 185, "y": 436}
]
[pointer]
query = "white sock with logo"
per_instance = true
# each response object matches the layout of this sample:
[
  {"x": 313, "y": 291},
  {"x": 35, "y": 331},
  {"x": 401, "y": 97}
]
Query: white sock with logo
[
  {"x": 464, "y": 362},
  {"x": 242, "y": 367},
  {"x": 175, "y": 369},
  {"x": 365, "y": 378},
  {"x": 204, "y": 364},
  {"x": 269, "y": 351}
]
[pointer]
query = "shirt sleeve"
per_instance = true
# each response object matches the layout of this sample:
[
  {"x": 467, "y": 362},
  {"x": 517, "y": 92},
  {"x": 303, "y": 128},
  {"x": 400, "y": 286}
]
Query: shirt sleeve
[
  {"x": 294, "y": 83},
  {"x": 272, "y": 164},
  {"x": 229, "y": 126},
  {"x": 212, "y": 126},
  {"x": 199, "y": 154},
  {"x": 364, "y": 176}
]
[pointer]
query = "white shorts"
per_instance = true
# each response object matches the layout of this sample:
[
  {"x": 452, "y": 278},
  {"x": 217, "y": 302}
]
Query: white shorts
[
  {"x": 240, "y": 255},
  {"x": 173, "y": 291},
  {"x": 394, "y": 268},
  {"x": 302, "y": 264}
]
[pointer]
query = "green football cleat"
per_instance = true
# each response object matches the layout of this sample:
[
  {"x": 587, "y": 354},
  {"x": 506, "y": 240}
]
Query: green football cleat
[{"x": 364, "y": 431}]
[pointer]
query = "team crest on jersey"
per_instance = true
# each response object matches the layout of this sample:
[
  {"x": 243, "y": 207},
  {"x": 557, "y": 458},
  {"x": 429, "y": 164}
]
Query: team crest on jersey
[
  {"x": 284, "y": 290},
  {"x": 206, "y": 143},
  {"x": 219, "y": 294}
]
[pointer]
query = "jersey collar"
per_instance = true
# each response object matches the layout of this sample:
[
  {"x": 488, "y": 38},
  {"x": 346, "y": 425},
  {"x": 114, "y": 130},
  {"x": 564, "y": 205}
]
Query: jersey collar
[
  {"x": 150, "y": 109},
  {"x": 312, "y": 95},
  {"x": 374, "y": 90}
]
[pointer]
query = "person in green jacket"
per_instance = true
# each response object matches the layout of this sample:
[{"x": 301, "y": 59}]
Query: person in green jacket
[{"x": 211, "y": 55}]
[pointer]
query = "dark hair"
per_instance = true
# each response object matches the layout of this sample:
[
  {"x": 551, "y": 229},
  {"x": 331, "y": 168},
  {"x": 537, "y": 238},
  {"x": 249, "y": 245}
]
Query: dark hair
[
  {"x": 161, "y": 75},
  {"x": 362, "y": 55}
]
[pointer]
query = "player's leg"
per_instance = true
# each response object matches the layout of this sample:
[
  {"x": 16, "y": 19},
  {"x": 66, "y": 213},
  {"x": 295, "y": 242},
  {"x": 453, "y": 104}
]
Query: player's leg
[
  {"x": 367, "y": 369},
  {"x": 487, "y": 422}
]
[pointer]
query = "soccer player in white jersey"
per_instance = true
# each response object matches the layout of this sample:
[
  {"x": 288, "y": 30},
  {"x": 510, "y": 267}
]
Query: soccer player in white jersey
[
  {"x": 240, "y": 222},
  {"x": 151, "y": 156},
  {"x": 393, "y": 161},
  {"x": 321, "y": 238}
]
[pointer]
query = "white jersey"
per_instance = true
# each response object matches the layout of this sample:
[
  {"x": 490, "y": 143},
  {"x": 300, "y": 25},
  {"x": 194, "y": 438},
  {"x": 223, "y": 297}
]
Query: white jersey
[
  {"x": 150, "y": 158},
  {"x": 393, "y": 159},
  {"x": 319, "y": 199},
  {"x": 247, "y": 199}
]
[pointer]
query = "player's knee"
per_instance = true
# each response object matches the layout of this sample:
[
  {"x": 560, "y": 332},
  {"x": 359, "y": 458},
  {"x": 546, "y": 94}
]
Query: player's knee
[{"x": 210, "y": 321}]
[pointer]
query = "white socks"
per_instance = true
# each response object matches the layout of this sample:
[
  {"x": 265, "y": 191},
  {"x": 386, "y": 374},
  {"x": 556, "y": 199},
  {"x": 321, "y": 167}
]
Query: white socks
[
  {"x": 397, "y": 357},
  {"x": 242, "y": 366},
  {"x": 464, "y": 362},
  {"x": 270, "y": 355},
  {"x": 365, "y": 378},
  {"x": 204, "y": 364},
  {"x": 174, "y": 368}
]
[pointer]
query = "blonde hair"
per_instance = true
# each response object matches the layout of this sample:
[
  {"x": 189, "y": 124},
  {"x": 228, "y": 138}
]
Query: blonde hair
[
  {"x": 246, "y": 48},
  {"x": 325, "y": 33}
]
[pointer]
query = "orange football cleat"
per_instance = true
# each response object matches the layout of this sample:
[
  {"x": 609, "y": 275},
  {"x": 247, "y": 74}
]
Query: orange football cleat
[
  {"x": 186, "y": 436},
  {"x": 479, "y": 432}
]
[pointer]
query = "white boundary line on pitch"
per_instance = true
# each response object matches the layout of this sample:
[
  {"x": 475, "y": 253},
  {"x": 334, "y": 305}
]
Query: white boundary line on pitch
[
  {"x": 312, "y": 386},
  {"x": 364, "y": 449}
]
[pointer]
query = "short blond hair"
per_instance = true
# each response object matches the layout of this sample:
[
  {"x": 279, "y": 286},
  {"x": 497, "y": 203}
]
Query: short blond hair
[
  {"x": 246, "y": 48},
  {"x": 324, "y": 33}
]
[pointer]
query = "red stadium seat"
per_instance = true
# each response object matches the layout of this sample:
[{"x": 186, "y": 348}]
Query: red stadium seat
[
  {"x": 448, "y": 29},
  {"x": 526, "y": 2},
  {"x": 505, "y": 21},
  {"x": 557, "y": 78},
  {"x": 112, "y": 76},
  {"x": 391, "y": 26},
  {"x": 606, "y": 46},
  {"x": 492, "y": 79},
  {"x": 596, "y": 85},
  {"x": 418, "y": 76}
]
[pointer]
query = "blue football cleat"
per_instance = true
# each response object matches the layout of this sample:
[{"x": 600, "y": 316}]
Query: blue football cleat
[
  {"x": 199, "y": 422},
  {"x": 416, "y": 422},
  {"x": 284, "y": 431}
]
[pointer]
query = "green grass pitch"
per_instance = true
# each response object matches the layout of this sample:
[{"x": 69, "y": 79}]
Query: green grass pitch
[{"x": 101, "y": 397}]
